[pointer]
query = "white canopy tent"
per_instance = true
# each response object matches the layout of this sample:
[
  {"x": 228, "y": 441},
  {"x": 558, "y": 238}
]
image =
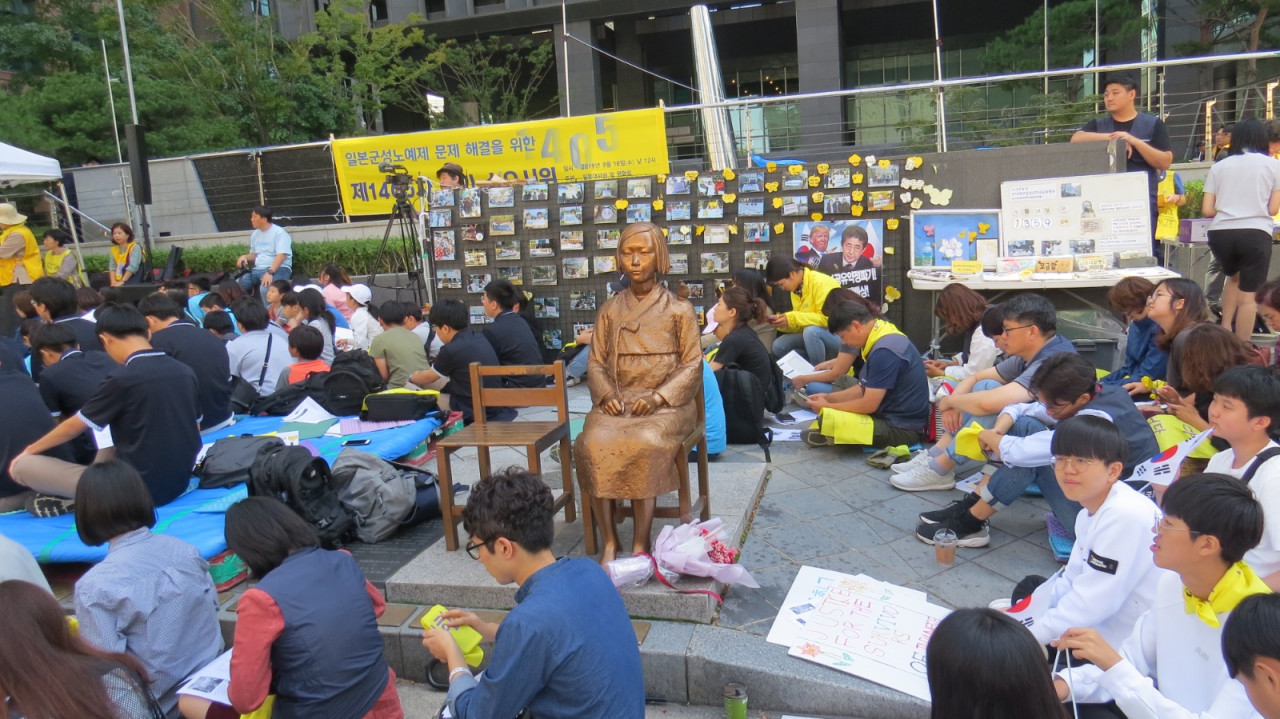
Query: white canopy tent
[{"x": 19, "y": 166}]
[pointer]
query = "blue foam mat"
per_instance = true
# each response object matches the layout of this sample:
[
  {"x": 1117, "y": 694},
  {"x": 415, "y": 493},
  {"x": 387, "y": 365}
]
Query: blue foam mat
[{"x": 197, "y": 516}]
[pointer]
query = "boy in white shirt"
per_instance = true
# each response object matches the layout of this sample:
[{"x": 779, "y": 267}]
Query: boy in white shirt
[
  {"x": 1251, "y": 648},
  {"x": 1244, "y": 412},
  {"x": 1110, "y": 579},
  {"x": 1171, "y": 666}
]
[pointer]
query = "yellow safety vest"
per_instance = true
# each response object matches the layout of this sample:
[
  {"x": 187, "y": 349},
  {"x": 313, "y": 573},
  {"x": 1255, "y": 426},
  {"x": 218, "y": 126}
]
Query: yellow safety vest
[
  {"x": 53, "y": 263},
  {"x": 30, "y": 259},
  {"x": 1167, "y": 220}
]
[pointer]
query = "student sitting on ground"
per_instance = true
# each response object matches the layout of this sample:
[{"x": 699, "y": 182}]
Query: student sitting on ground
[
  {"x": 307, "y": 632},
  {"x": 1065, "y": 385},
  {"x": 739, "y": 344},
  {"x": 567, "y": 649},
  {"x": 152, "y": 597},
  {"x": 1142, "y": 356},
  {"x": 306, "y": 307},
  {"x": 890, "y": 404},
  {"x": 1245, "y": 411},
  {"x": 1171, "y": 665},
  {"x": 364, "y": 326},
  {"x": 69, "y": 379},
  {"x": 1029, "y": 335},
  {"x": 55, "y": 300},
  {"x": 398, "y": 352},
  {"x": 981, "y": 663},
  {"x": 413, "y": 322},
  {"x": 197, "y": 289},
  {"x": 837, "y": 373},
  {"x": 206, "y": 356},
  {"x": 149, "y": 404},
  {"x": 305, "y": 344},
  {"x": 1251, "y": 648},
  {"x": 1110, "y": 579},
  {"x": 451, "y": 373},
  {"x": 258, "y": 354},
  {"x": 24, "y": 420},
  {"x": 213, "y": 302},
  {"x": 804, "y": 328},
  {"x": 275, "y": 291},
  {"x": 219, "y": 323},
  {"x": 512, "y": 338},
  {"x": 960, "y": 310},
  {"x": 48, "y": 671}
]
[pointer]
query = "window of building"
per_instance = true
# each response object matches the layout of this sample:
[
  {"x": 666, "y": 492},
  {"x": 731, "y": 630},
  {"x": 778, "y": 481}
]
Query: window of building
[
  {"x": 435, "y": 7},
  {"x": 484, "y": 5},
  {"x": 260, "y": 7},
  {"x": 378, "y": 11}
]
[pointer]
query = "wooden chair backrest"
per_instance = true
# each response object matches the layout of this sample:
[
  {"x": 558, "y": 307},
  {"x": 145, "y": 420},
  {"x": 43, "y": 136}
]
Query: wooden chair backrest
[{"x": 553, "y": 395}]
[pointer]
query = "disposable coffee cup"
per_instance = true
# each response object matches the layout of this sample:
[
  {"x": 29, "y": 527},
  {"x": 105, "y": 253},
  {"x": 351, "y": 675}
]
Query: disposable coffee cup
[
  {"x": 944, "y": 547},
  {"x": 735, "y": 701}
]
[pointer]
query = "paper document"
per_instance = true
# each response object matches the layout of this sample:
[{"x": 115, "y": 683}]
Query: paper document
[
  {"x": 103, "y": 438},
  {"x": 798, "y": 416},
  {"x": 793, "y": 365},
  {"x": 787, "y": 435},
  {"x": 211, "y": 682},
  {"x": 309, "y": 412}
]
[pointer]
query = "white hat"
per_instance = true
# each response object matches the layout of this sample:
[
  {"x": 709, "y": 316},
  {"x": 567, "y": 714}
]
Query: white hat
[
  {"x": 9, "y": 215},
  {"x": 359, "y": 293},
  {"x": 299, "y": 288}
]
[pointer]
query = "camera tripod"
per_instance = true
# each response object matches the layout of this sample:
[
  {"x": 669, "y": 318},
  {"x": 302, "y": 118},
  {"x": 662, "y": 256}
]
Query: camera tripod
[{"x": 409, "y": 255}]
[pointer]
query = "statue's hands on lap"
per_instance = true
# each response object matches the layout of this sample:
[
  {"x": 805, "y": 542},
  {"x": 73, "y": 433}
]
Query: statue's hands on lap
[
  {"x": 646, "y": 405},
  {"x": 611, "y": 407}
]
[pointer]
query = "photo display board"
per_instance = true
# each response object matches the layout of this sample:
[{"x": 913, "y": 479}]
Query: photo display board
[
  {"x": 940, "y": 237},
  {"x": 1080, "y": 215}
]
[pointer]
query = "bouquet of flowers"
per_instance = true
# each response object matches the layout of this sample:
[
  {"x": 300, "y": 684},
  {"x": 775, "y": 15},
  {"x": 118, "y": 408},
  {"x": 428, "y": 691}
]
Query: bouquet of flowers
[{"x": 699, "y": 549}]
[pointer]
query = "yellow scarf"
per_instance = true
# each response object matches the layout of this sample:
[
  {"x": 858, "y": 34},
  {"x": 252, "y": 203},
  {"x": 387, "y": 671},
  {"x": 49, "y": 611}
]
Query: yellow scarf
[
  {"x": 1239, "y": 582},
  {"x": 880, "y": 330}
]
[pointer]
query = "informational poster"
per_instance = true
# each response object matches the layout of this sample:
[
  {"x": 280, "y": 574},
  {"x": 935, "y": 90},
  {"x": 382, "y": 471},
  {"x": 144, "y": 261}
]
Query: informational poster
[
  {"x": 586, "y": 147},
  {"x": 860, "y": 626},
  {"x": 940, "y": 237},
  {"x": 1075, "y": 215},
  {"x": 852, "y": 251}
]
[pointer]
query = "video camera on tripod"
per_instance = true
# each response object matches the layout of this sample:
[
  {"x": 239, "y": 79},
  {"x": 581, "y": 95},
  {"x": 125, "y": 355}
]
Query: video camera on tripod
[{"x": 398, "y": 179}]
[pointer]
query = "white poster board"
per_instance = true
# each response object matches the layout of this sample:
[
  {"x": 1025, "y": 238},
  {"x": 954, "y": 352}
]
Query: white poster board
[
  {"x": 1086, "y": 214},
  {"x": 860, "y": 626}
]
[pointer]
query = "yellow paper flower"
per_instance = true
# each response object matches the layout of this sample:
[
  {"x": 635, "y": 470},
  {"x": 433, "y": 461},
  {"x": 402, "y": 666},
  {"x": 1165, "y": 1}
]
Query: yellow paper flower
[
  {"x": 621, "y": 204},
  {"x": 779, "y": 228},
  {"x": 856, "y": 178},
  {"x": 777, "y": 203},
  {"x": 857, "y": 195},
  {"x": 856, "y": 210},
  {"x": 691, "y": 175},
  {"x": 823, "y": 168},
  {"x": 891, "y": 223},
  {"x": 662, "y": 178},
  {"x": 700, "y": 229},
  {"x": 817, "y": 216},
  {"x": 771, "y": 167},
  {"x": 817, "y": 196},
  {"x": 885, "y": 164},
  {"x": 658, "y": 204},
  {"x": 770, "y": 187},
  {"x": 891, "y": 293},
  {"x": 730, "y": 198},
  {"x": 733, "y": 229},
  {"x": 1153, "y": 386},
  {"x": 855, "y": 160},
  {"x": 814, "y": 180},
  {"x": 795, "y": 169},
  {"x": 729, "y": 174}
]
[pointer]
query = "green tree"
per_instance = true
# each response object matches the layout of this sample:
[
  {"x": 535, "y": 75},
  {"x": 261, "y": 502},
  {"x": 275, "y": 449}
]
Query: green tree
[
  {"x": 500, "y": 78},
  {"x": 1230, "y": 25}
]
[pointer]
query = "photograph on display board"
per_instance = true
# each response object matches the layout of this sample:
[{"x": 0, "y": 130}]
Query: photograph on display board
[
  {"x": 553, "y": 339},
  {"x": 546, "y": 307},
  {"x": 475, "y": 258},
  {"x": 506, "y": 250},
  {"x": 1021, "y": 248},
  {"x": 750, "y": 207},
  {"x": 851, "y": 251},
  {"x": 755, "y": 259},
  {"x": 543, "y": 274},
  {"x": 793, "y": 205},
  {"x": 679, "y": 264},
  {"x": 878, "y": 176},
  {"x": 751, "y": 181},
  {"x": 715, "y": 263},
  {"x": 605, "y": 214},
  {"x": 755, "y": 232},
  {"x": 477, "y": 315},
  {"x": 473, "y": 232},
  {"x": 678, "y": 210},
  {"x": 541, "y": 247},
  {"x": 570, "y": 240},
  {"x": 476, "y": 283},
  {"x": 580, "y": 327},
  {"x": 502, "y": 225},
  {"x": 534, "y": 192},
  {"x": 696, "y": 289},
  {"x": 715, "y": 235},
  {"x": 608, "y": 239},
  {"x": 514, "y": 275},
  {"x": 677, "y": 185},
  {"x": 444, "y": 244},
  {"x": 441, "y": 198},
  {"x": 880, "y": 201},
  {"x": 640, "y": 188},
  {"x": 838, "y": 204},
  {"x": 680, "y": 235},
  {"x": 571, "y": 215},
  {"x": 606, "y": 189},
  {"x": 639, "y": 212},
  {"x": 1049, "y": 248},
  {"x": 582, "y": 301},
  {"x": 502, "y": 197},
  {"x": 469, "y": 203},
  {"x": 449, "y": 279},
  {"x": 839, "y": 178},
  {"x": 709, "y": 185},
  {"x": 606, "y": 264},
  {"x": 710, "y": 210},
  {"x": 798, "y": 181},
  {"x": 940, "y": 237},
  {"x": 576, "y": 268},
  {"x": 535, "y": 218},
  {"x": 1110, "y": 212},
  {"x": 570, "y": 192},
  {"x": 440, "y": 218}
]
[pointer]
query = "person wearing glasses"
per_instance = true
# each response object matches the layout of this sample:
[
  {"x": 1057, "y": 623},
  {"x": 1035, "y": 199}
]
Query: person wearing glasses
[
  {"x": 1065, "y": 385},
  {"x": 1171, "y": 666},
  {"x": 567, "y": 649},
  {"x": 1029, "y": 336},
  {"x": 1110, "y": 578}
]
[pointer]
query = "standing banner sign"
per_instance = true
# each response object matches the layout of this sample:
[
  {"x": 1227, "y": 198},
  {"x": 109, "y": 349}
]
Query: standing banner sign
[{"x": 587, "y": 147}]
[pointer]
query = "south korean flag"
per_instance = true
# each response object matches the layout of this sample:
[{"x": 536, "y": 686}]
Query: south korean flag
[{"x": 1162, "y": 469}]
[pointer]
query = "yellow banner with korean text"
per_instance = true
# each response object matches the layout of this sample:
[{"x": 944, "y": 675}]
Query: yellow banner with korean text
[{"x": 631, "y": 143}]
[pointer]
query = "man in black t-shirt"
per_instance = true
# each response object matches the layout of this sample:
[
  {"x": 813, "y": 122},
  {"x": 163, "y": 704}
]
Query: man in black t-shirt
[
  {"x": 70, "y": 378},
  {"x": 510, "y": 334},
  {"x": 150, "y": 406},
  {"x": 205, "y": 354},
  {"x": 23, "y": 421},
  {"x": 451, "y": 372}
]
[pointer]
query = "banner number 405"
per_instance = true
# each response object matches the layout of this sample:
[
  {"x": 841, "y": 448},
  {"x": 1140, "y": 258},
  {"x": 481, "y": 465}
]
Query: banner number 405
[{"x": 579, "y": 145}]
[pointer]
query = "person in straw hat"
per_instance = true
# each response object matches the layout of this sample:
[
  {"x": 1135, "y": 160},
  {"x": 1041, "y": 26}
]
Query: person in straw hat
[{"x": 20, "y": 263}]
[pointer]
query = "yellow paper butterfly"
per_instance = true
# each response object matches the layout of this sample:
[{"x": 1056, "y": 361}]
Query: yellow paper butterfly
[
  {"x": 777, "y": 202},
  {"x": 856, "y": 210},
  {"x": 729, "y": 174},
  {"x": 857, "y": 195},
  {"x": 795, "y": 169},
  {"x": 884, "y": 164},
  {"x": 973, "y": 236},
  {"x": 983, "y": 227},
  {"x": 891, "y": 223},
  {"x": 658, "y": 204},
  {"x": 730, "y": 198},
  {"x": 814, "y": 180},
  {"x": 621, "y": 204},
  {"x": 817, "y": 196},
  {"x": 891, "y": 293},
  {"x": 771, "y": 167},
  {"x": 691, "y": 175},
  {"x": 817, "y": 216},
  {"x": 855, "y": 160},
  {"x": 662, "y": 178},
  {"x": 733, "y": 229},
  {"x": 700, "y": 229},
  {"x": 856, "y": 178},
  {"x": 823, "y": 168},
  {"x": 779, "y": 228},
  {"x": 770, "y": 187}
]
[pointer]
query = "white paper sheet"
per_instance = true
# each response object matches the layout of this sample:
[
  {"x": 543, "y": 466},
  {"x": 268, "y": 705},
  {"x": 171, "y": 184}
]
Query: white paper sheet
[
  {"x": 103, "y": 438},
  {"x": 212, "y": 681},
  {"x": 309, "y": 412},
  {"x": 793, "y": 365}
]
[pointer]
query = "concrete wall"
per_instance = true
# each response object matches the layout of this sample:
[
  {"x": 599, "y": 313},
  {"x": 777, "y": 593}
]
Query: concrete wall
[{"x": 178, "y": 200}]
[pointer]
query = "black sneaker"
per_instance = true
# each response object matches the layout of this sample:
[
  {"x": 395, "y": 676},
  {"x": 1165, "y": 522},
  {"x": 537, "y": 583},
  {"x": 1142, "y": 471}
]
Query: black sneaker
[
  {"x": 951, "y": 510},
  {"x": 970, "y": 531},
  {"x": 45, "y": 506}
]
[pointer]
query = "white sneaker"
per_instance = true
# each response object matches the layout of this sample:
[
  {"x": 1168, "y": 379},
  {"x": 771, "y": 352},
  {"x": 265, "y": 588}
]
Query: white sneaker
[
  {"x": 1000, "y": 605},
  {"x": 923, "y": 479},
  {"x": 921, "y": 457}
]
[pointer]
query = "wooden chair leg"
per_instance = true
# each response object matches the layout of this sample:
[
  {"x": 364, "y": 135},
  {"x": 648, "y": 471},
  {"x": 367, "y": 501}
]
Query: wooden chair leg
[
  {"x": 444, "y": 483},
  {"x": 482, "y": 457},
  {"x": 566, "y": 476},
  {"x": 704, "y": 481},
  {"x": 589, "y": 543},
  {"x": 682, "y": 468}
]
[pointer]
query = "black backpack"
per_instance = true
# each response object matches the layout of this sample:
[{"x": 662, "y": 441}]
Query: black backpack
[
  {"x": 287, "y": 398},
  {"x": 352, "y": 376},
  {"x": 228, "y": 461},
  {"x": 775, "y": 395},
  {"x": 293, "y": 476},
  {"x": 744, "y": 405}
]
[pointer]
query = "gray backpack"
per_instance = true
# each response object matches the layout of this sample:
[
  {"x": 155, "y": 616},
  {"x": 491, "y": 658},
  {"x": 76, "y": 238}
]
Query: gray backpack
[{"x": 375, "y": 492}]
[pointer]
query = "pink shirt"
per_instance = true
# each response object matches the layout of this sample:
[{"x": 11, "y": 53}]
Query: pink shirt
[{"x": 336, "y": 297}]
